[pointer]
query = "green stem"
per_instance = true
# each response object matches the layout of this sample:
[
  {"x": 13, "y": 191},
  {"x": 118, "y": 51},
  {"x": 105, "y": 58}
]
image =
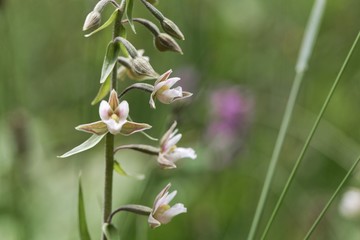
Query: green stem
[
  {"x": 301, "y": 65},
  {"x": 277, "y": 149},
  {"x": 307, "y": 143},
  {"x": 109, "y": 145},
  {"x": 332, "y": 199}
]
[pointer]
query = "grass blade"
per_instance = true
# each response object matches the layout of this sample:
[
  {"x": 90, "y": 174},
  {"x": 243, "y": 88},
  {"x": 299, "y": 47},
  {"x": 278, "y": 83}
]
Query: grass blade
[
  {"x": 321, "y": 215},
  {"x": 304, "y": 55},
  {"x": 83, "y": 229},
  {"x": 308, "y": 140}
]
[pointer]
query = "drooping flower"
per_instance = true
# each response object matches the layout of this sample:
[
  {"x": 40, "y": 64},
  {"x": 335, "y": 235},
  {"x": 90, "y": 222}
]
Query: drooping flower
[
  {"x": 169, "y": 153},
  {"x": 113, "y": 119},
  {"x": 162, "y": 212},
  {"x": 163, "y": 91}
]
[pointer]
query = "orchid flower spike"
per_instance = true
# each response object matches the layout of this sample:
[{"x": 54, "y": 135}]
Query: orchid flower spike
[
  {"x": 162, "y": 213},
  {"x": 169, "y": 152},
  {"x": 113, "y": 119},
  {"x": 163, "y": 91}
]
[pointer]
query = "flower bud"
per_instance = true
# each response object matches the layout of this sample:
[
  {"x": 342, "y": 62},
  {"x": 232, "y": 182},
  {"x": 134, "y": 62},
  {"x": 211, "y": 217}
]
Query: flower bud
[
  {"x": 165, "y": 42},
  {"x": 92, "y": 20},
  {"x": 171, "y": 28},
  {"x": 141, "y": 69}
]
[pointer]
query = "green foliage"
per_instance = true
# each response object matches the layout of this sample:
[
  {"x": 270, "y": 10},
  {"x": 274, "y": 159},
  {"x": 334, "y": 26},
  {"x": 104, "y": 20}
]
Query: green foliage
[
  {"x": 112, "y": 53},
  {"x": 103, "y": 91},
  {"x": 83, "y": 228},
  {"x": 129, "y": 10}
]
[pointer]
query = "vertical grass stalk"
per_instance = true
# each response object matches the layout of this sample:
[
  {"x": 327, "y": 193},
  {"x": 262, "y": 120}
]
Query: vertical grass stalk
[
  {"x": 304, "y": 55},
  {"x": 308, "y": 140}
]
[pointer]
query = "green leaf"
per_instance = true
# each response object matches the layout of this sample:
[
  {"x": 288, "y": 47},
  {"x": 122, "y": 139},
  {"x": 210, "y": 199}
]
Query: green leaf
[
  {"x": 110, "y": 232},
  {"x": 112, "y": 52},
  {"x": 121, "y": 171},
  {"x": 106, "y": 24},
  {"x": 129, "y": 9},
  {"x": 91, "y": 142},
  {"x": 123, "y": 35},
  {"x": 103, "y": 91},
  {"x": 83, "y": 229}
]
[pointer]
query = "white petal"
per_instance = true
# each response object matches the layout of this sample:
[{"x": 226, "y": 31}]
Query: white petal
[
  {"x": 161, "y": 201},
  {"x": 105, "y": 110},
  {"x": 168, "y": 96},
  {"x": 171, "y": 81},
  {"x": 171, "y": 142},
  {"x": 168, "y": 133},
  {"x": 123, "y": 110},
  {"x": 165, "y": 190},
  {"x": 180, "y": 153},
  {"x": 172, "y": 212},
  {"x": 157, "y": 86},
  {"x": 170, "y": 197}
]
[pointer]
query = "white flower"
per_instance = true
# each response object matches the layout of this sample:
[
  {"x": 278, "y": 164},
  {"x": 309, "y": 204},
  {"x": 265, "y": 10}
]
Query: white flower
[
  {"x": 169, "y": 152},
  {"x": 162, "y": 213},
  {"x": 114, "y": 116},
  {"x": 350, "y": 203},
  {"x": 113, "y": 119},
  {"x": 163, "y": 91}
]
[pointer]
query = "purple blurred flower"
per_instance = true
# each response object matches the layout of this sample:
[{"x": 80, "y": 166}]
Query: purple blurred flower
[{"x": 230, "y": 114}]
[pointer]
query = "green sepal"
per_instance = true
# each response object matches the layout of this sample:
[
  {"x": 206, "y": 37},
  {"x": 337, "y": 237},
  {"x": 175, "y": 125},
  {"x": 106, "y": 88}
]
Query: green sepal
[
  {"x": 110, "y": 231},
  {"x": 129, "y": 9},
  {"x": 103, "y": 91},
  {"x": 112, "y": 52},
  {"x": 106, "y": 24},
  {"x": 83, "y": 229}
]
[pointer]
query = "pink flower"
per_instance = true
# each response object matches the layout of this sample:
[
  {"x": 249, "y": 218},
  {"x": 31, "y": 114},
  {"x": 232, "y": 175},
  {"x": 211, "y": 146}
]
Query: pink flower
[
  {"x": 169, "y": 152},
  {"x": 113, "y": 119},
  {"x": 162, "y": 213},
  {"x": 163, "y": 91}
]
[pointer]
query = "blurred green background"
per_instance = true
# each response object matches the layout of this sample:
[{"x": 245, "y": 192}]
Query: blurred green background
[{"x": 239, "y": 63}]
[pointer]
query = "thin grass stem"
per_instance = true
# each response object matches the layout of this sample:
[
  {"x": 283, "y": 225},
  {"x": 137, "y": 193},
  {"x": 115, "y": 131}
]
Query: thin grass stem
[
  {"x": 308, "y": 140},
  {"x": 321, "y": 215},
  {"x": 304, "y": 55}
]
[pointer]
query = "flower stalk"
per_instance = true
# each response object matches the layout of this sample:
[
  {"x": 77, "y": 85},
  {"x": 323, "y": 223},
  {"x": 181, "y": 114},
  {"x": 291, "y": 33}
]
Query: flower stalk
[{"x": 109, "y": 143}]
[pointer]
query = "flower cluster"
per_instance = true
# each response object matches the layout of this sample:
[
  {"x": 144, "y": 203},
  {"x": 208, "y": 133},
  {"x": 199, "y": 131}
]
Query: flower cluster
[{"x": 123, "y": 60}]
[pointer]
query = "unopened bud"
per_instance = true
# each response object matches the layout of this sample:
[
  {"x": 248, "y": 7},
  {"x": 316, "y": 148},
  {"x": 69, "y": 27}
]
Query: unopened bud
[
  {"x": 141, "y": 69},
  {"x": 165, "y": 42},
  {"x": 92, "y": 20},
  {"x": 171, "y": 28}
]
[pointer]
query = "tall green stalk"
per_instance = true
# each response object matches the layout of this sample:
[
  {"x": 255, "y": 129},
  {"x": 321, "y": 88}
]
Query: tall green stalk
[
  {"x": 304, "y": 55},
  {"x": 307, "y": 143},
  {"x": 109, "y": 143}
]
